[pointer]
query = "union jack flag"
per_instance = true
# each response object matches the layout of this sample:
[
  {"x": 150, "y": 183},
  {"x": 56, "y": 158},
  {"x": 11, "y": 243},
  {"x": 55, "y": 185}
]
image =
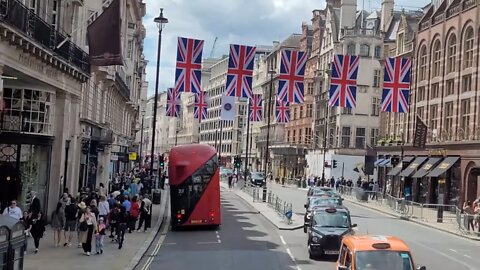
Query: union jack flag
[
  {"x": 343, "y": 84},
  {"x": 396, "y": 85},
  {"x": 240, "y": 71},
  {"x": 255, "y": 108},
  {"x": 173, "y": 103},
  {"x": 189, "y": 65},
  {"x": 292, "y": 69},
  {"x": 282, "y": 111},
  {"x": 200, "y": 106}
]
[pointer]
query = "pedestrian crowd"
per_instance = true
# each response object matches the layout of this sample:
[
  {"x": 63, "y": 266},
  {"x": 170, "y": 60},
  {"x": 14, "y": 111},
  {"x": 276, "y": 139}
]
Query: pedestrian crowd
[{"x": 91, "y": 215}]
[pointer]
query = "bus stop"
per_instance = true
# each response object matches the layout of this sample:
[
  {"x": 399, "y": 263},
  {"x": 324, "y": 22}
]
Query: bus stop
[{"x": 12, "y": 243}]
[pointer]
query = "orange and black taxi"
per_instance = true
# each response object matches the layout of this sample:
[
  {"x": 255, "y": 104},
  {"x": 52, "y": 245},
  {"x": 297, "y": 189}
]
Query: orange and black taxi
[{"x": 375, "y": 253}]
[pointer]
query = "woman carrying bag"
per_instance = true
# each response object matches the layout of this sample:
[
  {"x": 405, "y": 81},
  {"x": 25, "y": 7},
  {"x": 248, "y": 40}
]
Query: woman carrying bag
[{"x": 87, "y": 226}]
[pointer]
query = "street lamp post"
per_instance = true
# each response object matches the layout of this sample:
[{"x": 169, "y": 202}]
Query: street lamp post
[
  {"x": 269, "y": 109},
  {"x": 140, "y": 156},
  {"x": 161, "y": 22}
]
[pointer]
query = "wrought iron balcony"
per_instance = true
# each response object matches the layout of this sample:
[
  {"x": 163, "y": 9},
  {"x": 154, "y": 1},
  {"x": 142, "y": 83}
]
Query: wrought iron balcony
[{"x": 23, "y": 19}]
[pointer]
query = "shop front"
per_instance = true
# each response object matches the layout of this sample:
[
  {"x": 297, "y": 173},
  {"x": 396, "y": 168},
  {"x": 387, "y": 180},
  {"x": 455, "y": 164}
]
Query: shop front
[{"x": 395, "y": 183}]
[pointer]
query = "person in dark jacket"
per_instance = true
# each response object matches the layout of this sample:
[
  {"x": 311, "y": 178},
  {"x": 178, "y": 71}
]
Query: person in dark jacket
[
  {"x": 122, "y": 221},
  {"x": 35, "y": 206},
  {"x": 37, "y": 229},
  {"x": 70, "y": 221}
]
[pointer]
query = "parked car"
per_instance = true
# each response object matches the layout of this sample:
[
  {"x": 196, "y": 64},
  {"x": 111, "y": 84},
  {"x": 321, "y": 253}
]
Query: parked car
[
  {"x": 257, "y": 178},
  {"x": 327, "y": 228}
]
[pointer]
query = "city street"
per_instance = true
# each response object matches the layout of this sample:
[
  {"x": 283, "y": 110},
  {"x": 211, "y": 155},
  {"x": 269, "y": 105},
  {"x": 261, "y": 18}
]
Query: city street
[
  {"x": 434, "y": 249},
  {"x": 245, "y": 240}
]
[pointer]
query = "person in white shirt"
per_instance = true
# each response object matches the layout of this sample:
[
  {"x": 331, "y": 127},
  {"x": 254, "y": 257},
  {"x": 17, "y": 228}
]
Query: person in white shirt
[{"x": 13, "y": 211}]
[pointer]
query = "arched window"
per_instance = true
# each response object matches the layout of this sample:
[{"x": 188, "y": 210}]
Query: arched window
[
  {"x": 351, "y": 49},
  {"x": 451, "y": 53},
  {"x": 423, "y": 63},
  {"x": 437, "y": 58},
  {"x": 364, "y": 50},
  {"x": 468, "y": 41}
]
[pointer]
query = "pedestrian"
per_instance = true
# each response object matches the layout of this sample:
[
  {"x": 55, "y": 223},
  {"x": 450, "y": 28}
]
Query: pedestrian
[
  {"x": 35, "y": 205},
  {"x": 230, "y": 180},
  {"x": 112, "y": 221},
  {"x": 13, "y": 211},
  {"x": 37, "y": 228},
  {"x": 81, "y": 209},
  {"x": 145, "y": 213},
  {"x": 88, "y": 225},
  {"x": 133, "y": 214},
  {"x": 58, "y": 223},
  {"x": 94, "y": 208},
  {"x": 70, "y": 221},
  {"x": 100, "y": 236},
  {"x": 375, "y": 190},
  {"x": 103, "y": 207},
  {"x": 101, "y": 190},
  {"x": 469, "y": 212},
  {"x": 122, "y": 221}
]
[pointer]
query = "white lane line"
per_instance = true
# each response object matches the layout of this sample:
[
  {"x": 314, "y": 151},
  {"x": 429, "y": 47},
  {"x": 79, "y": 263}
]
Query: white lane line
[
  {"x": 218, "y": 237},
  {"x": 169, "y": 244},
  {"x": 446, "y": 255},
  {"x": 283, "y": 240},
  {"x": 219, "y": 241},
  {"x": 207, "y": 243},
  {"x": 290, "y": 254},
  {"x": 453, "y": 250},
  {"x": 159, "y": 243},
  {"x": 468, "y": 256}
]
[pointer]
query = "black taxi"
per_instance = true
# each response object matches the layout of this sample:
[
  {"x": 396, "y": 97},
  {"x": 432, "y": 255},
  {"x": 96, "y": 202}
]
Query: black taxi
[
  {"x": 327, "y": 227},
  {"x": 318, "y": 202}
]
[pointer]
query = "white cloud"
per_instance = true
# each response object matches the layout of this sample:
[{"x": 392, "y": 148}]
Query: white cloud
[{"x": 249, "y": 22}]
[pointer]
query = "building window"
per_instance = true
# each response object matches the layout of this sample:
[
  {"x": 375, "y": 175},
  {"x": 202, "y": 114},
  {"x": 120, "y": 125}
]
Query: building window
[
  {"x": 421, "y": 93},
  {"x": 351, "y": 49},
  {"x": 130, "y": 49},
  {"x": 435, "y": 91},
  {"x": 423, "y": 63},
  {"x": 29, "y": 111},
  {"x": 421, "y": 112},
  {"x": 308, "y": 135},
  {"x": 364, "y": 50},
  {"x": 346, "y": 110},
  {"x": 377, "y": 73},
  {"x": 294, "y": 113},
  {"x": 400, "y": 43},
  {"x": 294, "y": 137},
  {"x": 468, "y": 57},
  {"x": 378, "y": 52},
  {"x": 33, "y": 6},
  {"x": 448, "y": 126},
  {"x": 310, "y": 87},
  {"x": 437, "y": 58},
  {"x": 54, "y": 14},
  {"x": 301, "y": 111},
  {"x": 331, "y": 139},
  {"x": 465, "y": 115},
  {"x": 360, "y": 138},
  {"x": 375, "y": 106},
  {"x": 288, "y": 136},
  {"x": 467, "y": 83},
  {"x": 309, "y": 110},
  {"x": 452, "y": 51},
  {"x": 300, "y": 138},
  {"x": 450, "y": 89},
  {"x": 374, "y": 133},
  {"x": 346, "y": 134}
]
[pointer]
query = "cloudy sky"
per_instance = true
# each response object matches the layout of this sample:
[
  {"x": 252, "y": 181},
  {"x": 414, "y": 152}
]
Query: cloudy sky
[{"x": 248, "y": 22}]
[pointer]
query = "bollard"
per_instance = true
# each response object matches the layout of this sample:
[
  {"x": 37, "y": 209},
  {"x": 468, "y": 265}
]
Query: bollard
[
  {"x": 440, "y": 214},
  {"x": 264, "y": 197}
]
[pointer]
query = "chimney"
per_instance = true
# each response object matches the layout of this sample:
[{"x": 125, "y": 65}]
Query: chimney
[
  {"x": 387, "y": 13},
  {"x": 348, "y": 13}
]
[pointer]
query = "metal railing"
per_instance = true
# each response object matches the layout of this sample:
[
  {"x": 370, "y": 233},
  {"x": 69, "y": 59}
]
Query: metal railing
[
  {"x": 428, "y": 213},
  {"x": 281, "y": 207}
]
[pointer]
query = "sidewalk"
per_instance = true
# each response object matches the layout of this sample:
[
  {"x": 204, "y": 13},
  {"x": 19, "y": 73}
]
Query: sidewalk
[
  {"x": 449, "y": 225},
  {"x": 267, "y": 211},
  {"x": 72, "y": 258}
]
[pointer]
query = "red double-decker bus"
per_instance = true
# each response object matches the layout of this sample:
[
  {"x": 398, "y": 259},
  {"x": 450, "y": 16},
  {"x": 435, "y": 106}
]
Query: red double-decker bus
[{"x": 194, "y": 186}]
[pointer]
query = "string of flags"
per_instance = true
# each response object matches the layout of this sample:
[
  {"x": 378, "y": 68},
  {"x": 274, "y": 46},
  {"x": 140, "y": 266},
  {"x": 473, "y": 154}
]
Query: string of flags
[{"x": 342, "y": 91}]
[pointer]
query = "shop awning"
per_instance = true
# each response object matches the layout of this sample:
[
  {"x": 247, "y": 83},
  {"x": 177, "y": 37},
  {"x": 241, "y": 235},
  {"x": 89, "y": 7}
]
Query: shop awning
[
  {"x": 413, "y": 166},
  {"x": 385, "y": 163},
  {"x": 430, "y": 164},
  {"x": 446, "y": 164},
  {"x": 398, "y": 168},
  {"x": 379, "y": 161}
]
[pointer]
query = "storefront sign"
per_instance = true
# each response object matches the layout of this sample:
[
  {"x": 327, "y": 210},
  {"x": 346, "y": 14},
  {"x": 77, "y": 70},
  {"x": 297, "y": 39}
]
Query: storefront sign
[
  {"x": 43, "y": 68},
  {"x": 438, "y": 152},
  {"x": 443, "y": 165},
  {"x": 132, "y": 156},
  {"x": 413, "y": 165},
  {"x": 427, "y": 166}
]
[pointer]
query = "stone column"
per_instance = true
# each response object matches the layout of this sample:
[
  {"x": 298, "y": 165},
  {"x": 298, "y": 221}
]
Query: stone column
[{"x": 74, "y": 152}]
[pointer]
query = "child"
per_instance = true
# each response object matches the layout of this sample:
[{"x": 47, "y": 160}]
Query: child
[{"x": 100, "y": 236}]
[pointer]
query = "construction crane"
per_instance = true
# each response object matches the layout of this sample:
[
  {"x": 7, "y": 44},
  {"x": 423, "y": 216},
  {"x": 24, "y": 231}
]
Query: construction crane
[{"x": 213, "y": 47}]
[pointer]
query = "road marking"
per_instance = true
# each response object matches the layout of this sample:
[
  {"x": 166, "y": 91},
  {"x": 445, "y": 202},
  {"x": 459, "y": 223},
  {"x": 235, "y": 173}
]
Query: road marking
[
  {"x": 159, "y": 244},
  {"x": 170, "y": 244},
  {"x": 218, "y": 237},
  {"x": 283, "y": 240},
  {"x": 454, "y": 250},
  {"x": 290, "y": 254},
  {"x": 446, "y": 255},
  {"x": 207, "y": 243},
  {"x": 465, "y": 255}
]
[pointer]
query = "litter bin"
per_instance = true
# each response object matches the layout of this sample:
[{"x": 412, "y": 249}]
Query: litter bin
[
  {"x": 12, "y": 236},
  {"x": 156, "y": 198}
]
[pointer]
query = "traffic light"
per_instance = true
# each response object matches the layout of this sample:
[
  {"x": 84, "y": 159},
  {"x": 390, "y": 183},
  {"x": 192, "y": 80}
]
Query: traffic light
[
  {"x": 334, "y": 163},
  {"x": 237, "y": 163},
  {"x": 161, "y": 161}
]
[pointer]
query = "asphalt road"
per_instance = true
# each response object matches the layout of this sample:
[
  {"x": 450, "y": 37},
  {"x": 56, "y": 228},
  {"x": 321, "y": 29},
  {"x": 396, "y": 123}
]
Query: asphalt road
[
  {"x": 245, "y": 240},
  {"x": 434, "y": 249}
]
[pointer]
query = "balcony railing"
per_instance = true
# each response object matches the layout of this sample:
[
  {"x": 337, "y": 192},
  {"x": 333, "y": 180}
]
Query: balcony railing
[
  {"x": 354, "y": 32},
  {"x": 14, "y": 13}
]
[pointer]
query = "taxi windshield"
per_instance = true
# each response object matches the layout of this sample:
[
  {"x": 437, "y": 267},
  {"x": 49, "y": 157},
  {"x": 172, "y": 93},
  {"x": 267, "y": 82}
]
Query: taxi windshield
[
  {"x": 325, "y": 201},
  {"x": 333, "y": 220},
  {"x": 383, "y": 259}
]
